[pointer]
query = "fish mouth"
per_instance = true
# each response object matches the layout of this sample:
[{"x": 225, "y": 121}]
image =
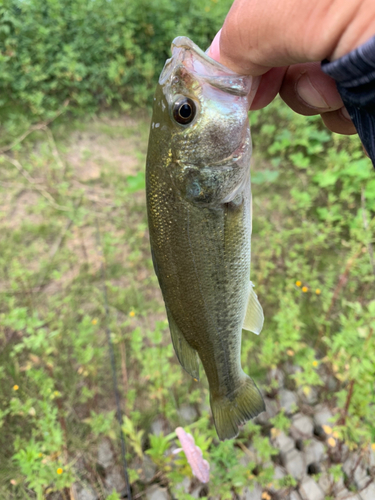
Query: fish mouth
[
  {"x": 184, "y": 43},
  {"x": 243, "y": 150},
  {"x": 186, "y": 53},
  {"x": 237, "y": 155}
]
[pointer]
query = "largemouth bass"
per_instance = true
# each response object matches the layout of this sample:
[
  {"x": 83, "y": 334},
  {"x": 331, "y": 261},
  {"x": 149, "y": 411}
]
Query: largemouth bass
[{"x": 199, "y": 214}]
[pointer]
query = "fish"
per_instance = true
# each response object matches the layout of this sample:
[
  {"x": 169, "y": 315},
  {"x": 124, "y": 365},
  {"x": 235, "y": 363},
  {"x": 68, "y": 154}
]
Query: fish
[{"x": 199, "y": 215}]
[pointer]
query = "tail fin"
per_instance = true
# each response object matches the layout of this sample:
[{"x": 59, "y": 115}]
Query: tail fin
[{"x": 245, "y": 403}]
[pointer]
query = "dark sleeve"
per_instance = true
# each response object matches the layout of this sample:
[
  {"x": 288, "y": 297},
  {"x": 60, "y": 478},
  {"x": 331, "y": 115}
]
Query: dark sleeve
[{"x": 354, "y": 74}]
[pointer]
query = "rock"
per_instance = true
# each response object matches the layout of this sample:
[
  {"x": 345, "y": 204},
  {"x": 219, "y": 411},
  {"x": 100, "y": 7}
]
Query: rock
[
  {"x": 271, "y": 411},
  {"x": 204, "y": 408},
  {"x": 196, "y": 491},
  {"x": 183, "y": 486},
  {"x": 314, "y": 452},
  {"x": 368, "y": 493},
  {"x": 81, "y": 492},
  {"x": 254, "y": 493},
  {"x": 157, "y": 426},
  {"x": 187, "y": 413},
  {"x": 310, "y": 397},
  {"x": 284, "y": 443},
  {"x": 344, "y": 452},
  {"x": 157, "y": 493},
  {"x": 275, "y": 378},
  {"x": 349, "y": 464},
  {"x": 343, "y": 494},
  {"x": 114, "y": 480},
  {"x": 105, "y": 454},
  {"x": 302, "y": 427},
  {"x": 149, "y": 468},
  {"x": 361, "y": 478},
  {"x": 310, "y": 490},
  {"x": 354, "y": 469},
  {"x": 267, "y": 465},
  {"x": 347, "y": 495},
  {"x": 322, "y": 415},
  {"x": 371, "y": 453},
  {"x": 249, "y": 456},
  {"x": 332, "y": 383},
  {"x": 338, "y": 486},
  {"x": 294, "y": 463},
  {"x": 279, "y": 473},
  {"x": 294, "y": 495},
  {"x": 325, "y": 483},
  {"x": 292, "y": 369},
  {"x": 288, "y": 400}
]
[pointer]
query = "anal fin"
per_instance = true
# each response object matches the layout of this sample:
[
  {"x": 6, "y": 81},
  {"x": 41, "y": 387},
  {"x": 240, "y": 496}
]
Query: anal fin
[
  {"x": 254, "y": 317},
  {"x": 186, "y": 355}
]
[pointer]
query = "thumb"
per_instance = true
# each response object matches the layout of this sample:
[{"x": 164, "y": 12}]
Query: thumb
[{"x": 261, "y": 34}]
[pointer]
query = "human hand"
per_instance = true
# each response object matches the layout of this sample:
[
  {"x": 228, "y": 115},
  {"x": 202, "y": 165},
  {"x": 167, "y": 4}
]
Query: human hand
[{"x": 281, "y": 43}]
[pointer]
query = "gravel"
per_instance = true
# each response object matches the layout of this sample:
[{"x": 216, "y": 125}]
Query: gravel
[
  {"x": 314, "y": 452},
  {"x": 187, "y": 414},
  {"x": 105, "y": 454},
  {"x": 84, "y": 492},
  {"x": 294, "y": 463},
  {"x": 284, "y": 443},
  {"x": 294, "y": 495},
  {"x": 368, "y": 493},
  {"x": 271, "y": 411},
  {"x": 157, "y": 493},
  {"x": 310, "y": 490},
  {"x": 303, "y": 453},
  {"x": 302, "y": 427},
  {"x": 322, "y": 415},
  {"x": 288, "y": 400},
  {"x": 252, "y": 494},
  {"x": 114, "y": 480}
]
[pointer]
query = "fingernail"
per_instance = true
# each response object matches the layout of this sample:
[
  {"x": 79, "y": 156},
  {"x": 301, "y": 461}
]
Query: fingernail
[
  {"x": 254, "y": 88},
  {"x": 308, "y": 93},
  {"x": 345, "y": 113},
  {"x": 214, "y": 49}
]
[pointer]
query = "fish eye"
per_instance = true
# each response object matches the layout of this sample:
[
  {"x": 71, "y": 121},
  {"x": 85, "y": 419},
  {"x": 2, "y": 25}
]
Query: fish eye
[{"x": 184, "y": 110}]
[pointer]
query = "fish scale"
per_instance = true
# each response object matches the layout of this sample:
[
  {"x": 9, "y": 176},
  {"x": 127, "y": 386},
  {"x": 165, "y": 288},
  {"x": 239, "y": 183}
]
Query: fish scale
[{"x": 199, "y": 213}]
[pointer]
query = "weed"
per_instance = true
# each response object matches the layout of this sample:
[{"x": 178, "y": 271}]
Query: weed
[{"x": 312, "y": 266}]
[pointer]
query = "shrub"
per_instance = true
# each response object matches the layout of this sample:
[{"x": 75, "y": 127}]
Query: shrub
[{"x": 96, "y": 53}]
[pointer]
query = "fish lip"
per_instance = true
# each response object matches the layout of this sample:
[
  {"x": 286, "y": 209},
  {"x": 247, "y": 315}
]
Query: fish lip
[
  {"x": 185, "y": 53},
  {"x": 243, "y": 150},
  {"x": 183, "y": 42}
]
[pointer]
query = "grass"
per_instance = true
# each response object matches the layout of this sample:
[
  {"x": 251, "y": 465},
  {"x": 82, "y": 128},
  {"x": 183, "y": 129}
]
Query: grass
[{"x": 72, "y": 201}]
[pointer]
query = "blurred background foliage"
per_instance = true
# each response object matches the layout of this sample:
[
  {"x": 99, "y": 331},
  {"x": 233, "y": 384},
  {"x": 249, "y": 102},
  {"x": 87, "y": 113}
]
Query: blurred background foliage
[
  {"x": 72, "y": 204},
  {"x": 95, "y": 53}
]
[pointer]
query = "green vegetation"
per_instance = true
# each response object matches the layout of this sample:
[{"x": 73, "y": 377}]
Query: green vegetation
[
  {"x": 95, "y": 54},
  {"x": 313, "y": 268}
]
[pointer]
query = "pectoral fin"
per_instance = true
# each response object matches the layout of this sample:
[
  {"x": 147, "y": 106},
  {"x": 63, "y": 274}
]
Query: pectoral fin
[
  {"x": 186, "y": 355},
  {"x": 254, "y": 313}
]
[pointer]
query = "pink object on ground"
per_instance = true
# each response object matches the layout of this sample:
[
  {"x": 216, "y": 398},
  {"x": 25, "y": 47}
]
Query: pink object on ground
[{"x": 199, "y": 466}]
